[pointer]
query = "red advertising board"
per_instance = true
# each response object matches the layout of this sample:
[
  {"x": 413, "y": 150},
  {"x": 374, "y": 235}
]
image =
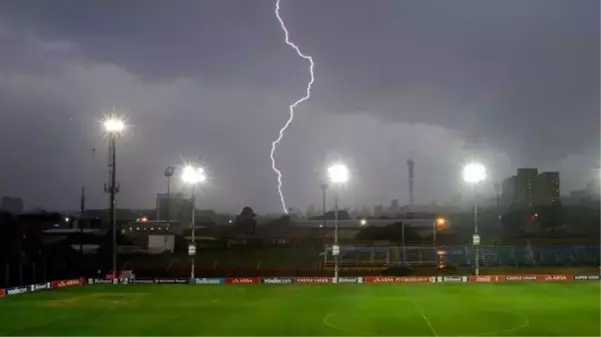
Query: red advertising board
[
  {"x": 242, "y": 280},
  {"x": 519, "y": 278},
  {"x": 1, "y": 292},
  {"x": 66, "y": 283},
  {"x": 487, "y": 278},
  {"x": 550, "y": 278},
  {"x": 312, "y": 280},
  {"x": 399, "y": 279},
  {"x": 540, "y": 278},
  {"x": 122, "y": 274}
]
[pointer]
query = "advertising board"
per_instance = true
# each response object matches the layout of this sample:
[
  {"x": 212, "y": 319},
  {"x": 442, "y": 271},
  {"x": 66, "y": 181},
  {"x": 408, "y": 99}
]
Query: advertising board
[
  {"x": 312, "y": 280},
  {"x": 16, "y": 291},
  {"x": 208, "y": 281},
  {"x": 99, "y": 281},
  {"x": 551, "y": 278},
  {"x": 400, "y": 279},
  {"x": 143, "y": 281},
  {"x": 540, "y": 278},
  {"x": 242, "y": 280},
  {"x": 487, "y": 278},
  {"x": 66, "y": 283},
  {"x": 171, "y": 281},
  {"x": 519, "y": 278},
  {"x": 277, "y": 280},
  {"x": 343, "y": 280},
  {"x": 586, "y": 277},
  {"x": 39, "y": 286},
  {"x": 451, "y": 279}
]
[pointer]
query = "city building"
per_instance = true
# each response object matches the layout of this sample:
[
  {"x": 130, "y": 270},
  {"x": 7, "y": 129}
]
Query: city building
[
  {"x": 508, "y": 191},
  {"x": 525, "y": 186},
  {"x": 548, "y": 188},
  {"x": 528, "y": 188}
]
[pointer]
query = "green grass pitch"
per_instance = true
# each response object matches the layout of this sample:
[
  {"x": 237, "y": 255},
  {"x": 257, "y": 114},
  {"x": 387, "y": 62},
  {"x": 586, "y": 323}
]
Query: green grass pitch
[{"x": 525, "y": 309}]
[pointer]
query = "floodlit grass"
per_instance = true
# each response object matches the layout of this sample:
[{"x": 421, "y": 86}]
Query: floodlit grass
[{"x": 560, "y": 309}]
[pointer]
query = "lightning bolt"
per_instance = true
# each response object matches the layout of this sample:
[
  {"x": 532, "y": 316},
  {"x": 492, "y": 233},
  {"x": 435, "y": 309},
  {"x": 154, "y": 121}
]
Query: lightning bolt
[{"x": 292, "y": 106}]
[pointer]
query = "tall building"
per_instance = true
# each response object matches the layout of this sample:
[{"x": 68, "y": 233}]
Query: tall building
[
  {"x": 525, "y": 186},
  {"x": 528, "y": 188},
  {"x": 508, "y": 191},
  {"x": 548, "y": 188}
]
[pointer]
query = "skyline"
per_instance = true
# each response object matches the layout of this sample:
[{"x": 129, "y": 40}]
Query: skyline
[{"x": 513, "y": 85}]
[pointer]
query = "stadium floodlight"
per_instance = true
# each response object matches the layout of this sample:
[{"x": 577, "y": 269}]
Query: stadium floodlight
[
  {"x": 474, "y": 173},
  {"x": 338, "y": 174},
  {"x": 114, "y": 125},
  {"x": 192, "y": 176}
]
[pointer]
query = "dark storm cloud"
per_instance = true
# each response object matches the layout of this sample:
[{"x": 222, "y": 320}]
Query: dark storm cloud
[{"x": 517, "y": 79}]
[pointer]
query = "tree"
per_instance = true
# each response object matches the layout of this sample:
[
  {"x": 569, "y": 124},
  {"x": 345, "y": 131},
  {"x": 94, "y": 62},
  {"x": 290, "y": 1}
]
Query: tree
[{"x": 245, "y": 221}]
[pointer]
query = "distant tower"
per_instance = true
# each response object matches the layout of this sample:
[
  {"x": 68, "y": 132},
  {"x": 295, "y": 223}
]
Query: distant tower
[{"x": 410, "y": 166}]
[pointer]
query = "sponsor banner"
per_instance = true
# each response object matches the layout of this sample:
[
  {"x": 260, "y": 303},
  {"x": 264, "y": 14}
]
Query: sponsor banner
[
  {"x": 487, "y": 278},
  {"x": 1, "y": 293},
  {"x": 343, "y": 280},
  {"x": 400, "y": 279},
  {"x": 451, "y": 279},
  {"x": 312, "y": 280},
  {"x": 99, "y": 281},
  {"x": 122, "y": 274},
  {"x": 243, "y": 280},
  {"x": 207, "y": 281},
  {"x": 548, "y": 278},
  {"x": 39, "y": 286},
  {"x": 143, "y": 281},
  {"x": 67, "y": 283},
  {"x": 171, "y": 281},
  {"x": 16, "y": 291},
  {"x": 542, "y": 278},
  {"x": 586, "y": 277},
  {"x": 519, "y": 278},
  {"x": 277, "y": 280}
]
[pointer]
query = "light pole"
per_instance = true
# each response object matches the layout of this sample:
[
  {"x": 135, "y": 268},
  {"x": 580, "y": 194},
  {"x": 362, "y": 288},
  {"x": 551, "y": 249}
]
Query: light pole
[
  {"x": 338, "y": 174},
  {"x": 475, "y": 173},
  {"x": 193, "y": 175},
  {"x": 324, "y": 188},
  {"x": 113, "y": 128},
  {"x": 169, "y": 171}
]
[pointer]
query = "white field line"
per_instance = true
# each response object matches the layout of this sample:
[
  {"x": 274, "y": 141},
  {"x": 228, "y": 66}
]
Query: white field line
[
  {"x": 326, "y": 322},
  {"x": 422, "y": 314},
  {"x": 524, "y": 324}
]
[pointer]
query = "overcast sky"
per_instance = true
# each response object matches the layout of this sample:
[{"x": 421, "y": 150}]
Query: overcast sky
[{"x": 513, "y": 83}]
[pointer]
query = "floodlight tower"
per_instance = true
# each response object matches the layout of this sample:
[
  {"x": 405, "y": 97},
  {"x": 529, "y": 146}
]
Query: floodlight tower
[
  {"x": 113, "y": 127},
  {"x": 410, "y": 167},
  {"x": 169, "y": 171},
  {"x": 338, "y": 174},
  {"x": 475, "y": 173},
  {"x": 192, "y": 176},
  {"x": 324, "y": 189}
]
